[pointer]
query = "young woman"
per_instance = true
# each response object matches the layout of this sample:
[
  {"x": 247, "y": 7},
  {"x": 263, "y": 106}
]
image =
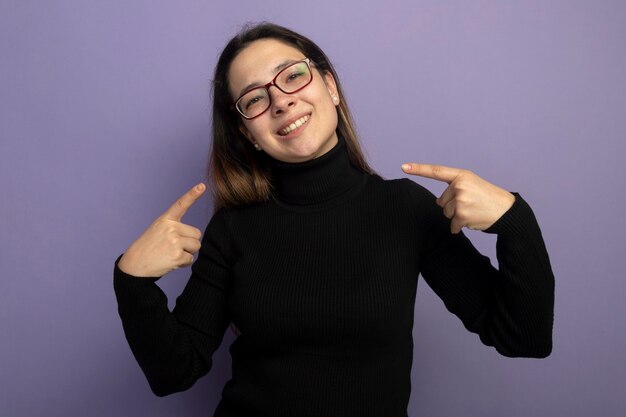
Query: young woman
[{"x": 315, "y": 259}]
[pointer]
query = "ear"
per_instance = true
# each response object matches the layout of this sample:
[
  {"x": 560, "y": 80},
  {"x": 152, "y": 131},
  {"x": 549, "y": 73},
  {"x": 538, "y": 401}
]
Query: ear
[
  {"x": 249, "y": 136},
  {"x": 244, "y": 130},
  {"x": 331, "y": 85}
]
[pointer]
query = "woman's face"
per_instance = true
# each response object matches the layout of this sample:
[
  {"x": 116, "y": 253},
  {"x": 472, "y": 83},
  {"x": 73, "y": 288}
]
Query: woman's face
[{"x": 257, "y": 64}]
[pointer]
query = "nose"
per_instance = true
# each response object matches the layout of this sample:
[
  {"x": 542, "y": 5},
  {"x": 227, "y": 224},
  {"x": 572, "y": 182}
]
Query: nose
[{"x": 281, "y": 101}]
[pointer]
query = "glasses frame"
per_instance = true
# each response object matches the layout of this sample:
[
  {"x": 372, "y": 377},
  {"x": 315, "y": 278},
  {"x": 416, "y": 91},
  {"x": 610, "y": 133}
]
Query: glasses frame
[{"x": 267, "y": 86}]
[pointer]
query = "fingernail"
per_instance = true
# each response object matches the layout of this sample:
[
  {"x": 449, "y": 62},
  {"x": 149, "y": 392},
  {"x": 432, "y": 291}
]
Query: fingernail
[
  {"x": 406, "y": 167},
  {"x": 200, "y": 187}
]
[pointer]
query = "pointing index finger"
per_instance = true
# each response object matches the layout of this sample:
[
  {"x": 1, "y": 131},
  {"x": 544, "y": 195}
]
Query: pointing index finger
[
  {"x": 435, "y": 172},
  {"x": 180, "y": 207}
]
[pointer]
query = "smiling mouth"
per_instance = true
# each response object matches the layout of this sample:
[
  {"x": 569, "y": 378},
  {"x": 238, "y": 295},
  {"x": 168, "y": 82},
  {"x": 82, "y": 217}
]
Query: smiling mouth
[{"x": 293, "y": 126}]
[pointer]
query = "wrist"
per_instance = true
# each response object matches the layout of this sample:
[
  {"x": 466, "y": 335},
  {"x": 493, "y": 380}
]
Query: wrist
[{"x": 125, "y": 264}]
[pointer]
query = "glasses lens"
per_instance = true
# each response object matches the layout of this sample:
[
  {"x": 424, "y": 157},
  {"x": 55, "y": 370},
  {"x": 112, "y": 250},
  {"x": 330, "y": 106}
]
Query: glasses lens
[
  {"x": 294, "y": 77},
  {"x": 254, "y": 102}
]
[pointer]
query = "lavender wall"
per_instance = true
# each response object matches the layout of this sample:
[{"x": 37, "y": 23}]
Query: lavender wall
[{"x": 104, "y": 120}]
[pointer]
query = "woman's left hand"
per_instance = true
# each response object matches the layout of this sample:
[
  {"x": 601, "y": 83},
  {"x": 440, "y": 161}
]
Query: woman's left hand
[{"x": 469, "y": 201}]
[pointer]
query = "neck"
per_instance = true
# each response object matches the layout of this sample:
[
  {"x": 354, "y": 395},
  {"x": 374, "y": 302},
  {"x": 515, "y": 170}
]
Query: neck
[{"x": 320, "y": 180}]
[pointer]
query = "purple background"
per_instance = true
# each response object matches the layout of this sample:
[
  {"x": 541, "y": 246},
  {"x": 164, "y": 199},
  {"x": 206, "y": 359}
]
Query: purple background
[{"x": 104, "y": 121}]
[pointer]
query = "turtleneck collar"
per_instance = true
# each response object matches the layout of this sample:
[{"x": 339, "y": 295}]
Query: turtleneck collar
[{"x": 322, "y": 180}]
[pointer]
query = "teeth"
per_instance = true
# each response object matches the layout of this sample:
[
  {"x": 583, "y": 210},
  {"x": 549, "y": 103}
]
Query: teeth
[{"x": 294, "y": 125}]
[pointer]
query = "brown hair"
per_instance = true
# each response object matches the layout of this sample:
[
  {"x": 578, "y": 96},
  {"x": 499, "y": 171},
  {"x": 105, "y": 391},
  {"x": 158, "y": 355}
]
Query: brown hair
[{"x": 239, "y": 174}]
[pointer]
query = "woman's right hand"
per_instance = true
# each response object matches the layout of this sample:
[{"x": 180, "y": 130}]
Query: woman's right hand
[{"x": 166, "y": 244}]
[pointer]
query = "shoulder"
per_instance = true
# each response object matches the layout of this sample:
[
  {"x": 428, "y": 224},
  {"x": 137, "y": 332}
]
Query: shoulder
[
  {"x": 216, "y": 228},
  {"x": 229, "y": 221},
  {"x": 403, "y": 190},
  {"x": 402, "y": 200}
]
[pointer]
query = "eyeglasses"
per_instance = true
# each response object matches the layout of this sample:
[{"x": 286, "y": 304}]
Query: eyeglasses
[{"x": 289, "y": 80}]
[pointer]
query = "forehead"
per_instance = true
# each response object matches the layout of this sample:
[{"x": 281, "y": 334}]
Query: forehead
[{"x": 257, "y": 62}]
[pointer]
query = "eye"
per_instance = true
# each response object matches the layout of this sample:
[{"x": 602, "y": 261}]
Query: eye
[
  {"x": 256, "y": 99},
  {"x": 294, "y": 75}
]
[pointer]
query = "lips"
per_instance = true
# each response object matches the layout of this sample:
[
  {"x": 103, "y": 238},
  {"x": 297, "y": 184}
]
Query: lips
[{"x": 293, "y": 125}]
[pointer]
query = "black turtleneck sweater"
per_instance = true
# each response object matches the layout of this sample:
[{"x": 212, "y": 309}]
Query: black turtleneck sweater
[{"x": 321, "y": 282}]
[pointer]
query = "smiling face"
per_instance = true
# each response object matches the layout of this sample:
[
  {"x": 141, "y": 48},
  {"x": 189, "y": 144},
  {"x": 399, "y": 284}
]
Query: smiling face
[{"x": 296, "y": 127}]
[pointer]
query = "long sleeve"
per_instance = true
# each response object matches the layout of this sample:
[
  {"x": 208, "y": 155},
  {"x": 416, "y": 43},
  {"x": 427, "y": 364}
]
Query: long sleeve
[
  {"x": 510, "y": 308},
  {"x": 174, "y": 349}
]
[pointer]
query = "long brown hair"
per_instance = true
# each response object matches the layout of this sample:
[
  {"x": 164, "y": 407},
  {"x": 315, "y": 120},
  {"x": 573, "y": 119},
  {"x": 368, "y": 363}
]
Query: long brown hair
[{"x": 239, "y": 174}]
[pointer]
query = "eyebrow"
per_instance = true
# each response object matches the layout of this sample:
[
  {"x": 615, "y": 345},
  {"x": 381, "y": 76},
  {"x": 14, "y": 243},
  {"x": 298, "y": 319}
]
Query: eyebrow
[{"x": 274, "y": 71}]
